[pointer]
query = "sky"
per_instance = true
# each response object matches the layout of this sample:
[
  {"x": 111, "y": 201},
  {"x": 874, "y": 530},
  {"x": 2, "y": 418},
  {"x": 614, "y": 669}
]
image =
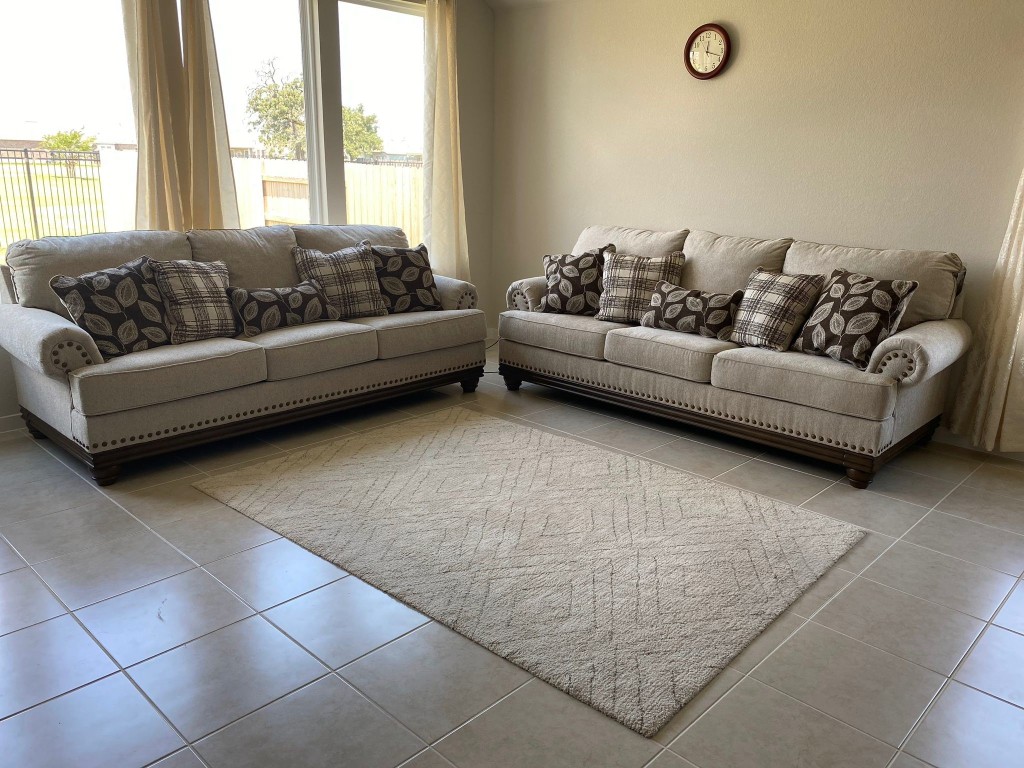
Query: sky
[{"x": 75, "y": 75}]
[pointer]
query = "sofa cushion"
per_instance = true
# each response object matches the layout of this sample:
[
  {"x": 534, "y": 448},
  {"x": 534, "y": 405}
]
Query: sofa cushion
[
  {"x": 34, "y": 262},
  {"x": 939, "y": 274},
  {"x": 639, "y": 242},
  {"x": 722, "y": 263},
  {"x": 266, "y": 309},
  {"x": 348, "y": 277},
  {"x": 629, "y": 283},
  {"x": 334, "y": 237},
  {"x": 412, "y": 332},
  {"x": 574, "y": 282},
  {"x": 196, "y": 298},
  {"x": 817, "y": 382},
  {"x": 677, "y": 309},
  {"x": 165, "y": 374},
  {"x": 255, "y": 257},
  {"x": 572, "y": 334},
  {"x": 774, "y": 308},
  {"x": 406, "y": 279},
  {"x": 683, "y": 355},
  {"x": 305, "y": 349}
]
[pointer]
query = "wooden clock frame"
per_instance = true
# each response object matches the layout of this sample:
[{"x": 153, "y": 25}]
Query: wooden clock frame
[{"x": 725, "y": 55}]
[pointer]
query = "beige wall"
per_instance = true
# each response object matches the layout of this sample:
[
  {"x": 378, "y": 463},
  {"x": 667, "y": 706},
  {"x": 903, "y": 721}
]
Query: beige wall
[{"x": 873, "y": 122}]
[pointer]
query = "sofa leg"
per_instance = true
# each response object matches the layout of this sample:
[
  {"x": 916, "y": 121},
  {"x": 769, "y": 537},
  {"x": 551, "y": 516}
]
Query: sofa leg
[
  {"x": 34, "y": 432},
  {"x": 512, "y": 383},
  {"x": 105, "y": 474},
  {"x": 469, "y": 385},
  {"x": 859, "y": 478}
]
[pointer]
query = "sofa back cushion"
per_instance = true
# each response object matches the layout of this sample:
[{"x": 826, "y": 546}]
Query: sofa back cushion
[
  {"x": 723, "y": 264},
  {"x": 34, "y": 263},
  {"x": 328, "y": 238},
  {"x": 260, "y": 257},
  {"x": 636, "y": 242},
  {"x": 939, "y": 274}
]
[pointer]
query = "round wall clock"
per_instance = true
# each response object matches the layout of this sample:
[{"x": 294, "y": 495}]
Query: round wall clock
[{"x": 707, "y": 51}]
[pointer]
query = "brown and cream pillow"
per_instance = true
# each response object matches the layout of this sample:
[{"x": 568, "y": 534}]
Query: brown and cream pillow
[
  {"x": 266, "y": 309},
  {"x": 774, "y": 308},
  {"x": 629, "y": 283},
  {"x": 677, "y": 309},
  {"x": 406, "y": 280},
  {"x": 121, "y": 308},
  {"x": 348, "y": 277},
  {"x": 854, "y": 314},
  {"x": 575, "y": 282},
  {"x": 195, "y": 295}
]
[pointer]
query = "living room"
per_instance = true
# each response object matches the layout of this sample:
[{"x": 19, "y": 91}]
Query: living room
[{"x": 471, "y": 383}]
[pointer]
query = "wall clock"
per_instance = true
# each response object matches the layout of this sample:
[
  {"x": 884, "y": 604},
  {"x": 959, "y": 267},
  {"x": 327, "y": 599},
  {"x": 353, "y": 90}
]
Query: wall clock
[{"x": 707, "y": 51}]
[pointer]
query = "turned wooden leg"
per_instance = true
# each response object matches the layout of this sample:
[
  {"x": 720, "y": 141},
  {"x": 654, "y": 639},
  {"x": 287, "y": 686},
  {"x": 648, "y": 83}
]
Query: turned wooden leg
[
  {"x": 928, "y": 435},
  {"x": 105, "y": 474},
  {"x": 859, "y": 478},
  {"x": 512, "y": 383},
  {"x": 35, "y": 432},
  {"x": 469, "y": 385}
]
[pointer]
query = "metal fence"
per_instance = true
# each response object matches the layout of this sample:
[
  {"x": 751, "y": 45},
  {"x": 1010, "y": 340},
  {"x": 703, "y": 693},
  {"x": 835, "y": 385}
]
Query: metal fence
[{"x": 49, "y": 192}]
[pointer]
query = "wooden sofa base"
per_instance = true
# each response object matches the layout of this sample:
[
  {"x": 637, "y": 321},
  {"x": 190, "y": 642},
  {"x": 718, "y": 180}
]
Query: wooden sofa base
[
  {"x": 106, "y": 466},
  {"x": 860, "y": 469}
]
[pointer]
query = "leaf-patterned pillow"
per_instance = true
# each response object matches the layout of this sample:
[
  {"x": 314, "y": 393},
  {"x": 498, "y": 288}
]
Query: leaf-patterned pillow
[
  {"x": 406, "y": 280},
  {"x": 265, "y": 309},
  {"x": 853, "y": 315},
  {"x": 678, "y": 309},
  {"x": 575, "y": 283},
  {"x": 121, "y": 308}
]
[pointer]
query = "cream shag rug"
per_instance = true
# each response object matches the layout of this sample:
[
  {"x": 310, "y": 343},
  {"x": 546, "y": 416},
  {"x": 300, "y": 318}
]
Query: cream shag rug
[{"x": 625, "y": 583}]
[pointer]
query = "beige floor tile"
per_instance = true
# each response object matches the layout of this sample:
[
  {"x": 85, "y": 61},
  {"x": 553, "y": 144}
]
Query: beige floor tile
[
  {"x": 46, "y": 660},
  {"x": 968, "y": 729},
  {"x": 755, "y": 725},
  {"x": 996, "y": 665},
  {"x": 26, "y": 467},
  {"x": 823, "y": 590},
  {"x": 876, "y": 692},
  {"x": 771, "y": 638},
  {"x": 428, "y": 758},
  {"x": 698, "y": 705},
  {"x": 803, "y": 464},
  {"x": 49, "y": 494},
  {"x": 206, "y": 535},
  {"x": 539, "y": 725},
  {"x": 223, "y": 453},
  {"x": 60, "y": 533},
  {"x": 324, "y": 724},
  {"x": 568, "y": 419},
  {"x": 370, "y": 417},
  {"x": 865, "y": 551},
  {"x": 344, "y": 620},
  {"x": 302, "y": 433},
  {"x": 25, "y": 600},
  {"x": 160, "y": 505},
  {"x": 627, "y": 436},
  {"x": 186, "y": 758},
  {"x": 9, "y": 559},
  {"x": 698, "y": 458},
  {"x": 1011, "y": 615},
  {"x": 777, "y": 482},
  {"x": 433, "y": 679},
  {"x": 957, "y": 584},
  {"x": 274, "y": 572},
  {"x": 107, "y": 723},
  {"x": 984, "y": 507},
  {"x": 140, "y": 624},
  {"x": 669, "y": 759},
  {"x": 937, "y": 463},
  {"x": 157, "y": 470},
  {"x": 903, "y": 760},
  {"x": 923, "y": 632},
  {"x": 867, "y": 509},
  {"x": 967, "y": 540},
  {"x": 917, "y": 489},
  {"x": 998, "y": 478},
  {"x": 210, "y": 682}
]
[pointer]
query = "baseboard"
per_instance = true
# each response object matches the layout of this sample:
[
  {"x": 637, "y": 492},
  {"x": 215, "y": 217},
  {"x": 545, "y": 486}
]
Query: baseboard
[{"x": 12, "y": 422}]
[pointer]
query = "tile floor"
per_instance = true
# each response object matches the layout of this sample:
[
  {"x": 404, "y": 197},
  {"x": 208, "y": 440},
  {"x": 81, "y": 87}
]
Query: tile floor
[{"x": 148, "y": 624}]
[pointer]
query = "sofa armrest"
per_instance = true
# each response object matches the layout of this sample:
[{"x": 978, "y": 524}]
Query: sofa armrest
[
  {"x": 921, "y": 351},
  {"x": 456, "y": 294},
  {"x": 525, "y": 295},
  {"x": 45, "y": 341}
]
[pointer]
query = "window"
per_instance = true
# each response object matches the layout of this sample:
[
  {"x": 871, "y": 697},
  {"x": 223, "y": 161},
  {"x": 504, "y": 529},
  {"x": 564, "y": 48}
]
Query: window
[{"x": 381, "y": 52}]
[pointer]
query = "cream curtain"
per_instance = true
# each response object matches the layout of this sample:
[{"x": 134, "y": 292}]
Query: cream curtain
[
  {"x": 185, "y": 178},
  {"x": 989, "y": 407},
  {"x": 444, "y": 207}
]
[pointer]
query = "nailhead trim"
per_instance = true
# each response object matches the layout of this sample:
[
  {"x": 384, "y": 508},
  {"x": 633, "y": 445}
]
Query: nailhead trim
[
  {"x": 57, "y": 356},
  {"x": 700, "y": 409},
  {"x": 909, "y": 366},
  {"x": 466, "y": 301}
]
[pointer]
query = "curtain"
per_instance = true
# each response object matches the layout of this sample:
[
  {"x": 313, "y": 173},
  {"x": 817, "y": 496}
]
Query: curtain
[
  {"x": 184, "y": 177},
  {"x": 444, "y": 207},
  {"x": 989, "y": 406}
]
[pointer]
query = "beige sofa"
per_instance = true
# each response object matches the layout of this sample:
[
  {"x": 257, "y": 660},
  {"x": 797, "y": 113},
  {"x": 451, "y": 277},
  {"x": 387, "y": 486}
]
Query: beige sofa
[
  {"x": 171, "y": 397},
  {"x": 811, "y": 405}
]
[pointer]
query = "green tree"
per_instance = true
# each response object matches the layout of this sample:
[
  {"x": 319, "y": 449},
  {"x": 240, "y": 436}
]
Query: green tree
[
  {"x": 69, "y": 141},
  {"x": 277, "y": 113}
]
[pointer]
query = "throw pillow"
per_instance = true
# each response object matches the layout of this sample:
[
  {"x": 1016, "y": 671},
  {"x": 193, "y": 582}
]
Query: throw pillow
[
  {"x": 773, "y": 308},
  {"x": 406, "y": 280},
  {"x": 677, "y": 309},
  {"x": 196, "y": 297},
  {"x": 264, "y": 309},
  {"x": 575, "y": 283},
  {"x": 348, "y": 277},
  {"x": 629, "y": 283},
  {"x": 121, "y": 308},
  {"x": 854, "y": 314}
]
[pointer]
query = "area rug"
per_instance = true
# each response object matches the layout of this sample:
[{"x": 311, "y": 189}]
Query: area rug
[{"x": 625, "y": 583}]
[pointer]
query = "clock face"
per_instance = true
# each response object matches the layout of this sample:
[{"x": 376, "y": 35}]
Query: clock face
[{"x": 707, "y": 51}]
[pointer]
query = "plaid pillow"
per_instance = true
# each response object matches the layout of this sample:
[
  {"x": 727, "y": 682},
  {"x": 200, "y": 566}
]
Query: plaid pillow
[
  {"x": 629, "y": 283},
  {"x": 854, "y": 314},
  {"x": 196, "y": 298},
  {"x": 121, "y": 308},
  {"x": 347, "y": 276},
  {"x": 265, "y": 309},
  {"x": 774, "y": 308},
  {"x": 574, "y": 282},
  {"x": 677, "y": 309},
  {"x": 406, "y": 280}
]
